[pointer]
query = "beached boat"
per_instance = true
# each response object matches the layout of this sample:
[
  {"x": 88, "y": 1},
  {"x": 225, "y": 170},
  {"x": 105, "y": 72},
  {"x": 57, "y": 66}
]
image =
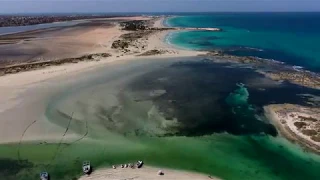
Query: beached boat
[
  {"x": 139, "y": 164},
  {"x": 86, "y": 167},
  {"x": 44, "y": 176}
]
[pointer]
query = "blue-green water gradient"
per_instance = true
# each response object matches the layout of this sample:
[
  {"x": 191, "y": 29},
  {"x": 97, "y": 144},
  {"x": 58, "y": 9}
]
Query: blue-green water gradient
[{"x": 289, "y": 37}]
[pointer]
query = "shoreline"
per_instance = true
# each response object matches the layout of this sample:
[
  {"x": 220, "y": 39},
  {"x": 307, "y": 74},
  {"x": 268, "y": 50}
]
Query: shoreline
[
  {"x": 144, "y": 173},
  {"x": 15, "y": 20},
  {"x": 155, "y": 44},
  {"x": 153, "y": 41}
]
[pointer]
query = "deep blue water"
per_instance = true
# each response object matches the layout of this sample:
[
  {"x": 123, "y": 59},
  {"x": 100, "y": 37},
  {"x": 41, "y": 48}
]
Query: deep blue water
[{"x": 289, "y": 37}]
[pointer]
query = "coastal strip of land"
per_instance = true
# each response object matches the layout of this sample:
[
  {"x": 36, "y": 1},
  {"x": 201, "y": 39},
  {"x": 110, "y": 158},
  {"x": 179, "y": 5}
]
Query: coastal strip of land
[
  {"x": 299, "y": 124},
  {"x": 144, "y": 173},
  {"x": 116, "y": 38},
  {"x": 120, "y": 37},
  {"x": 11, "y": 20}
]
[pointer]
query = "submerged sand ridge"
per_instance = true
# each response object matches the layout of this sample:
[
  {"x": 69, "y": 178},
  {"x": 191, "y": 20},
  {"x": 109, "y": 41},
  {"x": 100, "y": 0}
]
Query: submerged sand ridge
[{"x": 110, "y": 105}]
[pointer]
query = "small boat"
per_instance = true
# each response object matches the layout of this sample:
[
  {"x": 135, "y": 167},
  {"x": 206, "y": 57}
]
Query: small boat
[
  {"x": 44, "y": 176},
  {"x": 139, "y": 164},
  {"x": 86, "y": 167}
]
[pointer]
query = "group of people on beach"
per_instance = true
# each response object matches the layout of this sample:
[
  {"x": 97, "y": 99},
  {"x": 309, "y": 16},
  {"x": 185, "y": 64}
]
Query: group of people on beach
[{"x": 139, "y": 164}]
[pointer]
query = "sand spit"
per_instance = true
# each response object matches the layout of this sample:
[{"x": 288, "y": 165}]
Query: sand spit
[
  {"x": 297, "y": 123},
  {"x": 145, "y": 173},
  {"x": 66, "y": 45}
]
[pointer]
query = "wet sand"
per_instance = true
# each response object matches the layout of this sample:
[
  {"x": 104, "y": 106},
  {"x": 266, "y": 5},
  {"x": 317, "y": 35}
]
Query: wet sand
[
  {"x": 145, "y": 173},
  {"x": 56, "y": 43}
]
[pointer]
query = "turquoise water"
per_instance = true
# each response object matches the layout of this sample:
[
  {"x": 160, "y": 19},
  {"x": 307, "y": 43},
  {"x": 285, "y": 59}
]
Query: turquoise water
[{"x": 289, "y": 37}]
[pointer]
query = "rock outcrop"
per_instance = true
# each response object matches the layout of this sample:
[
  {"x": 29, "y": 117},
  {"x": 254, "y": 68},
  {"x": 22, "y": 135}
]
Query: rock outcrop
[
  {"x": 36, "y": 65},
  {"x": 276, "y": 70},
  {"x": 152, "y": 52}
]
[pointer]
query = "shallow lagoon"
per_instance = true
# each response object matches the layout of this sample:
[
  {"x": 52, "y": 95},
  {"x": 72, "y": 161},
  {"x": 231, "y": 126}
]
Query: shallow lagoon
[{"x": 209, "y": 136}]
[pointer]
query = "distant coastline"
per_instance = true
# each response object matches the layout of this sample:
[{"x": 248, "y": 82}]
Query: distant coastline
[{"x": 8, "y": 21}]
